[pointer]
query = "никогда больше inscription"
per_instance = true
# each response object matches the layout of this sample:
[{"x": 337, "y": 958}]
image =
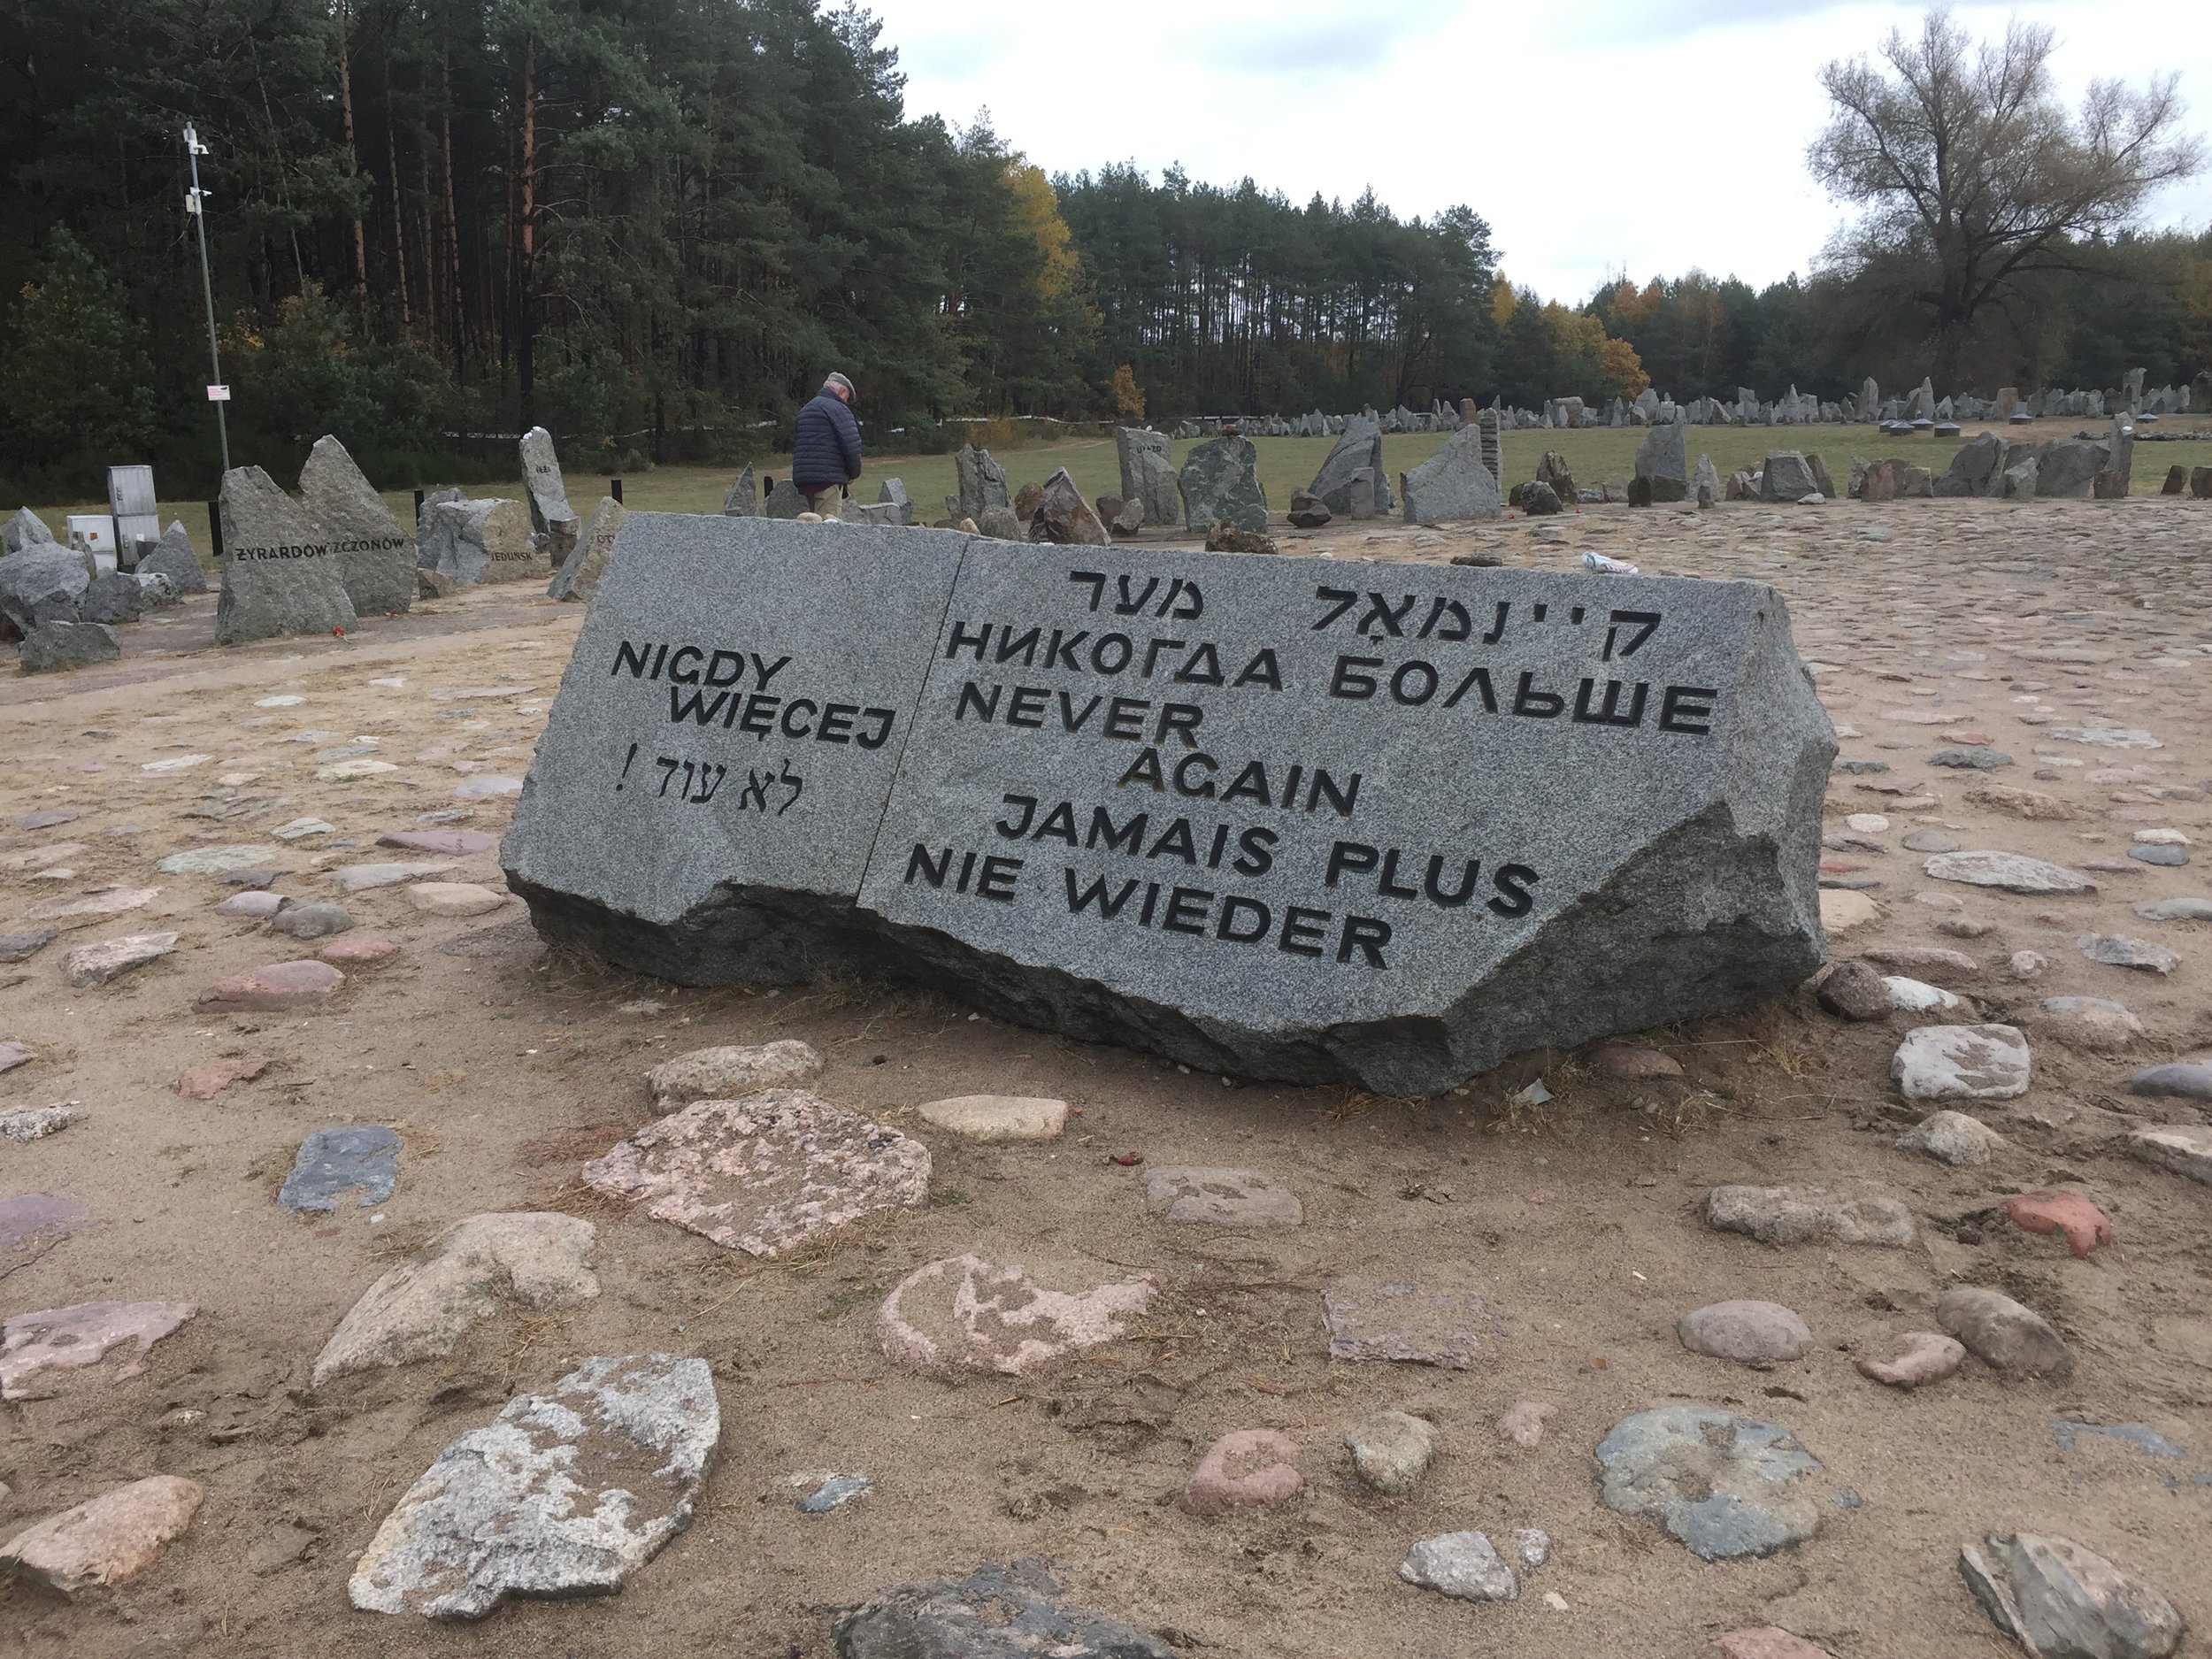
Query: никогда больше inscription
[{"x": 1307, "y": 819}]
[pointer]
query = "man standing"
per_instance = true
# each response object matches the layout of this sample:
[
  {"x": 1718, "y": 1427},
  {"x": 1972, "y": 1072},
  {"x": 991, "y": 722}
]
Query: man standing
[{"x": 826, "y": 447}]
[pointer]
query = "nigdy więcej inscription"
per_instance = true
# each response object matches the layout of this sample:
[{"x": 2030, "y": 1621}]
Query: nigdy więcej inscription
[{"x": 1307, "y": 819}]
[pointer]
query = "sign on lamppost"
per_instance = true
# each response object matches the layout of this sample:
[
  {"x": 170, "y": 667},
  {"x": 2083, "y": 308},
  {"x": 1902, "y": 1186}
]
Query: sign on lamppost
[{"x": 194, "y": 203}]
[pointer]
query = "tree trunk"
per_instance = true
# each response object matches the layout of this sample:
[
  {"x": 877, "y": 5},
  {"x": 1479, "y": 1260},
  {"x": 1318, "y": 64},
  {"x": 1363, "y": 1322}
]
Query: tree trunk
[
  {"x": 353, "y": 159},
  {"x": 450, "y": 255},
  {"x": 399, "y": 209},
  {"x": 525, "y": 319}
]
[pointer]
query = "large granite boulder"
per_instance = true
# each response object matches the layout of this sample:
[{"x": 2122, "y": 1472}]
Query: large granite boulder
[
  {"x": 784, "y": 501},
  {"x": 280, "y": 576},
  {"x": 53, "y": 646},
  {"x": 173, "y": 557},
  {"x": 114, "y": 597},
  {"x": 1015, "y": 1611},
  {"x": 1786, "y": 477},
  {"x": 982, "y": 482},
  {"x": 1975, "y": 469},
  {"x": 1662, "y": 464},
  {"x": 487, "y": 540},
  {"x": 1361, "y": 446},
  {"x": 42, "y": 584},
  {"x": 25, "y": 530},
  {"x": 1148, "y": 477},
  {"x": 1454, "y": 483},
  {"x": 1220, "y": 483},
  {"x": 2116, "y": 474},
  {"x": 376, "y": 556},
  {"x": 1213, "y": 809},
  {"x": 581, "y": 573},
  {"x": 2068, "y": 467},
  {"x": 551, "y": 515}
]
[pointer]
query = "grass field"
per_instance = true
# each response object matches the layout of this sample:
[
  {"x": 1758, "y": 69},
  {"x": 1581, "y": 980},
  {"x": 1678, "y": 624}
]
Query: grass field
[{"x": 1286, "y": 463}]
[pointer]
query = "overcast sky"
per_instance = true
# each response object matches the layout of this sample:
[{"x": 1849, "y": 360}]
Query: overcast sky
[{"x": 1618, "y": 134}]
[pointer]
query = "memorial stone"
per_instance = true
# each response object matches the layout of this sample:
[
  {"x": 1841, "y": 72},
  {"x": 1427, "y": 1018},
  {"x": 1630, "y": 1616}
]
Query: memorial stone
[
  {"x": 114, "y": 597},
  {"x": 173, "y": 557},
  {"x": 580, "y": 576},
  {"x": 280, "y": 576},
  {"x": 1063, "y": 517},
  {"x": 2116, "y": 473},
  {"x": 743, "y": 501},
  {"x": 27, "y": 529},
  {"x": 982, "y": 482},
  {"x": 893, "y": 495},
  {"x": 1148, "y": 477},
  {"x": 551, "y": 515},
  {"x": 1975, "y": 468},
  {"x": 1361, "y": 446},
  {"x": 376, "y": 557},
  {"x": 1271, "y": 817},
  {"x": 784, "y": 501},
  {"x": 1662, "y": 460},
  {"x": 1454, "y": 483},
  {"x": 487, "y": 540},
  {"x": 42, "y": 584},
  {"x": 1786, "y": 478},
  {"x": 1220, "y": 483},
  {"x": 2068, "y": 467}
]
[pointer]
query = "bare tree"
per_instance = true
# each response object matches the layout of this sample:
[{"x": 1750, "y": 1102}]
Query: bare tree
[{"x": 1975, "y": 177}]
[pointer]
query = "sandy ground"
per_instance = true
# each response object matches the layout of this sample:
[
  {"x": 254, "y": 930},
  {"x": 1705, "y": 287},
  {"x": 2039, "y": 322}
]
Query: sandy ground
[{"x": 504, "y": 1066}]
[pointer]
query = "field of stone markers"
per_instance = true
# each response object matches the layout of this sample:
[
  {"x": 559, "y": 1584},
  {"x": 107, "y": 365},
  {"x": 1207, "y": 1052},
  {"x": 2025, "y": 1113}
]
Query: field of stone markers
[{"x": 345, "y": 1224}]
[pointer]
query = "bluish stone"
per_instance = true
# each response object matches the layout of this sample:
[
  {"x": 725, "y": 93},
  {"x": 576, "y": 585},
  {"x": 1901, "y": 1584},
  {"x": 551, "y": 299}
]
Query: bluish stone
[
  {"x": 834, "y": 1494},
  {"x": 1971, "y": 759},
  {"x": 2168, "y": 857},
  {"x": 1726, "y": 1486},
  {"x": 330, "y": 1161}
]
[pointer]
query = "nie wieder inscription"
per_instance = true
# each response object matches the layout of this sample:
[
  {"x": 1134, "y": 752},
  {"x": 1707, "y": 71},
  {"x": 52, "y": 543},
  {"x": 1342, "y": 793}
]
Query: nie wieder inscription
[{"x": 1308, "y": 819}]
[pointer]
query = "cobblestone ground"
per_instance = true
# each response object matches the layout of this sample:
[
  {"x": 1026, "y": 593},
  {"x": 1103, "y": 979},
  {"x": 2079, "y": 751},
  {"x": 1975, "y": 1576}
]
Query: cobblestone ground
[{"x": 2073, "y": 639}]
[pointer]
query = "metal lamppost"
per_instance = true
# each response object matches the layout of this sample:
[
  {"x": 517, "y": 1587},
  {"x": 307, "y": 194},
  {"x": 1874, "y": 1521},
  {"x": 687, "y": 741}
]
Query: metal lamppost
[{"x": 217, "y": 394}]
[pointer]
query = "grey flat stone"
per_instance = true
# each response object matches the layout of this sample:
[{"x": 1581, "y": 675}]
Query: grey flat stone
[
  {"x": 22, "y": 946},
  {"x": 966, "y": 1312},
  {"x": 2187, "y": 1079},
  {"x": 35, "y": 1123},
  {"x": 834, "y": 1494},
  {"x": 1727, "y": 1486},
  {"x": 1749, "y": 1333},
  {"x": 1810, "y": 1215},
  {"x": 32, "y": 1224},
  {"x": 731, "y": 1072},
  {"x": 215, "y": 861},
  {"x": 2117, "y": 950},
  {"x": 364, "y": 878},
  {"x": 104, "y": 1541},
  {"x": 64, "y": 1339},
  {"x": 470, "y": 1272},
  {"x": 1220, "y": 1198},
  {"x": 2165, "y": 857},
  {"x": 279, "y": 574},
  {"x": 374, "y": 552},
  {"x": 1963, "y": 1063},
  {"x": 2059, "y": 1600},
  {"x": 2185, "y": 1148},
  {"x": 111, "y": 958},
  {"x": 2011, "y": 873},
  {"x": 57, "y": 646},
  {"x": 2003, "y": 1334},
  {"x": 1971, "y": 759},
  {"x": 1465, "y": 1565},
  {"x": 1014, "y": 1612},
  {"x": 1929, "y": 842},
  {"x": 317, "y": 920},
  {"x": 2176, "y": 910},
  {"x": 331, "y": 1162},
  {"x": 567, "y": 1494}
]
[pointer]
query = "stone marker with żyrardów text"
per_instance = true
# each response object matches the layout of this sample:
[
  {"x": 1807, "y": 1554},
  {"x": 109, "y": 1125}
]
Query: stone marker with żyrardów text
[
  {"x": 1290, "y": 819},
  {"x": 376, "y": 558},
  {"x": 280, "y": 576}
]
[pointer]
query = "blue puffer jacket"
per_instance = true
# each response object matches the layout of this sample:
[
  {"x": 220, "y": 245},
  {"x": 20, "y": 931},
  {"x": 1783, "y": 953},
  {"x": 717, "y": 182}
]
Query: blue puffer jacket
[{"x": 826, "y": 446}]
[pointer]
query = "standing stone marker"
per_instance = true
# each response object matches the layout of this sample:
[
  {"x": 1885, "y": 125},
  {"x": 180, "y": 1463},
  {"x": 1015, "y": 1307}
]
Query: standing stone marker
[
  {"x": 1285, "y": 818},
  {"x": 551, "y": 515},
  {"x": 743, "y": 501},
  {"x": 173, "y": 557},
  {"x": 1148, "y": 477},
  {"x": 279, "y": 575},
  {"x": 1220, "y": 483},
  {"x": 982, "y": 482},
  {"x": 1663, "y": 463},
  {"x": 1361, "y": 446},
  {"x": 580, "y": 576},
  {"x": 487, "y": 540},
  {"x": 376, "y": 557},
  {"x": 784, "y": 501},
  {"x": 1454, "y": 483},
  {"x": 731, "y": 719}
]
